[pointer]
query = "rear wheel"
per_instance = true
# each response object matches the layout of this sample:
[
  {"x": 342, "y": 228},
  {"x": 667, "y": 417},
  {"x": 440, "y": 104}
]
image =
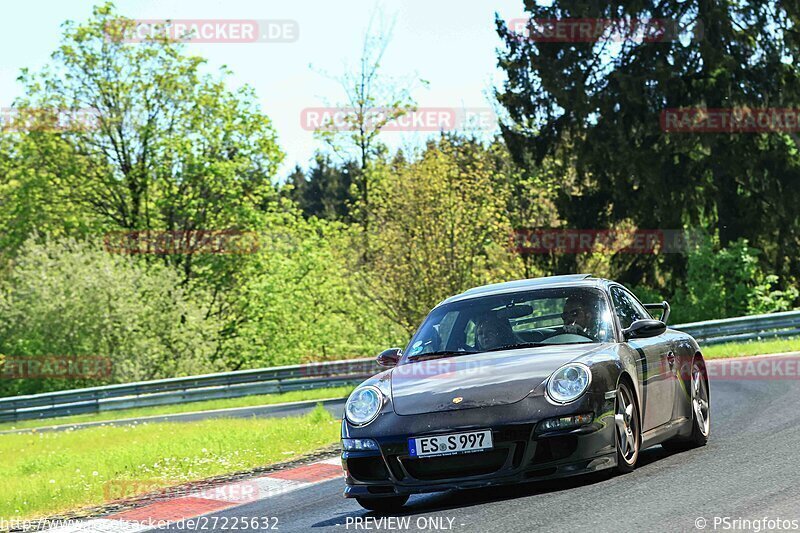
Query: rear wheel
[
  {"x": 383, "y": 505},
  {"x": 628, "y": 436},
  {"x": 701, "y": 413}
]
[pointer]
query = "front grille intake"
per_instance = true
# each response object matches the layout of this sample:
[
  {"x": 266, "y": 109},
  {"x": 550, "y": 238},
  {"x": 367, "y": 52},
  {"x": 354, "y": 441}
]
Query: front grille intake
[
  {"x": 367, "y": 468},
  {"x": 456, "y": 466}
]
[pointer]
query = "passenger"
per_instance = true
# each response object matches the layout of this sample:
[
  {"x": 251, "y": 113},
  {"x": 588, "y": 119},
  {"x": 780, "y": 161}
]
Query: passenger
[{"x": 493, "y": 333}]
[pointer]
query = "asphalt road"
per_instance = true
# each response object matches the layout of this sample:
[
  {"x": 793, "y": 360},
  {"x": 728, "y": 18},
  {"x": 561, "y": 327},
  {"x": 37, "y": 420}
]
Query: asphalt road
[{"x": 750, "y": 469}]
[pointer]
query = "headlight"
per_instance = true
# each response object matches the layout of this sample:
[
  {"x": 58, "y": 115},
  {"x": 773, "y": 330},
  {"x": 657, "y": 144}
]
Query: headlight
[
  {"x": 363, "y": 405},
  {"x": 569, "y": 382}
]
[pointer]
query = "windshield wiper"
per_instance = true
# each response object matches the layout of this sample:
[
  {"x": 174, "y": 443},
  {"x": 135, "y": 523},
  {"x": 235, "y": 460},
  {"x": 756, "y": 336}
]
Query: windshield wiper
[
  {"x": 442, "y": 353},
  {"x": 518, "y": 345},
  {"x": 533, "y": 345}
]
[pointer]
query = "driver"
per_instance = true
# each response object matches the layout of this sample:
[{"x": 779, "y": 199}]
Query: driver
[
  {"x": 580, "y": 315},
  {"x": 494, "y": 332}
]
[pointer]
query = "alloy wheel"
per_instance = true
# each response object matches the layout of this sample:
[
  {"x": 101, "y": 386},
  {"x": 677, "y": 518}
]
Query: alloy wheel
[
  {"x": 627, "y": 426},
  {"x": 700, "y": 399}
]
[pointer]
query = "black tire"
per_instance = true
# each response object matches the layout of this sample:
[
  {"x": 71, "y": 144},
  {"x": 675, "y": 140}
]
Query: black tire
[
  {"x": 701, "y": 413},
  {"x": 386, "y": 504},
  {"x": 627, "y": 431}
]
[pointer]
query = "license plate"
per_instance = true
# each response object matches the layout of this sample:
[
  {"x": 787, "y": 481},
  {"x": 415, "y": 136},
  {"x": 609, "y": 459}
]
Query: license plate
[{"x": 450, "y": 444}]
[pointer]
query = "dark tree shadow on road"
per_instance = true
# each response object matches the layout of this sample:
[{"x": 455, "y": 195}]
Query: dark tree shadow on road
[{"x": 444, "y": 501}]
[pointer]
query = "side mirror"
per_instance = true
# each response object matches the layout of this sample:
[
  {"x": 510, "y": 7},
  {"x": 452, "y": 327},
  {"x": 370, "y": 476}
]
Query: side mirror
[
  {"x": 642, "y": 329},
  {"x": 390, "y": 357}
]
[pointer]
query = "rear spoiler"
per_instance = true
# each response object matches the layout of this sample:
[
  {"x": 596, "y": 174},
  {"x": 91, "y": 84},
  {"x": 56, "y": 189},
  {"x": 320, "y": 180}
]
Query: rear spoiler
[{"x": 664, "y": 306}]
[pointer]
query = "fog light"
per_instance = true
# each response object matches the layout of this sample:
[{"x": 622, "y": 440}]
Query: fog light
[
  {"x": 564, "y": 422},
  {"x": 358, "y": 445}
]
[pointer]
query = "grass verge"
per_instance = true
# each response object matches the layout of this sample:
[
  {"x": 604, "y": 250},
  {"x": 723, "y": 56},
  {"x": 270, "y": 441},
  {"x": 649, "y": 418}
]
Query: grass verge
[
  {"x": 744, "y": 349},
  {"x": 48, "y": 473},
  {"x": 246, "y": 401}
]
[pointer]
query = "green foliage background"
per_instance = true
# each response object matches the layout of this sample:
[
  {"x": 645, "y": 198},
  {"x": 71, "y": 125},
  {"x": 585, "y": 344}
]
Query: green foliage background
[{"x": 351, "y": 254}]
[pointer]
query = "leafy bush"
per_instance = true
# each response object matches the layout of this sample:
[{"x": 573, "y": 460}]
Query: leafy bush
[
  {"x": 727, "y": 282},
  {"x": 296, "y": 301},
  {"x": 66, "y": 298}
]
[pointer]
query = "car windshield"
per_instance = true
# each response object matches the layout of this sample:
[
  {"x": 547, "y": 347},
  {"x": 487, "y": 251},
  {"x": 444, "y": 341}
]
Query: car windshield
[{"x": 513, "y": 320}]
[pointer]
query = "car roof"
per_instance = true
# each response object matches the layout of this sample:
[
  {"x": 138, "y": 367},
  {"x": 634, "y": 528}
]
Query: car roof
[{"x": 527, "y": 284}]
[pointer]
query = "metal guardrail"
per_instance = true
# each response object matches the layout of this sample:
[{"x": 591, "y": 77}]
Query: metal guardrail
[
  {"x": 743, "y": 328},
  {"x": 311, "y": 376},
  {"x": 187, "y": 389}
]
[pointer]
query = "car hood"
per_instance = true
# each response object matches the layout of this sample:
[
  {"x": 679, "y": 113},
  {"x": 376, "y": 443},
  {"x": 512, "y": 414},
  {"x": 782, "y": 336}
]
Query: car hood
[{"x": 479, "y": 380}]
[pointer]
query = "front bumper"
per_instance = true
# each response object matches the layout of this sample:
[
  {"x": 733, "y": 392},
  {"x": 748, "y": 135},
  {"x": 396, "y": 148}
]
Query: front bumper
[{"x": 519, "y": 453}]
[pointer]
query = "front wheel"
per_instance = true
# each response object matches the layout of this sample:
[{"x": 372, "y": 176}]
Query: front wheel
[
  {"x": 383, "y": 505},
  {"x": 628, "y": 436}
]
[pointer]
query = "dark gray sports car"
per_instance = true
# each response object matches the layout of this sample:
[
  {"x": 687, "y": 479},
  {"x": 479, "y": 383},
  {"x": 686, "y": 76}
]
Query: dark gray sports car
[{"x": 522, "y": 381}]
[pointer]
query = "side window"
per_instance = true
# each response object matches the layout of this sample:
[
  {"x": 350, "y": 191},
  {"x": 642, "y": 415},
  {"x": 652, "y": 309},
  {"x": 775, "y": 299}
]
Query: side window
[
  {"x": 627, "y": 308},
  {"x": 469, "y": 334}
]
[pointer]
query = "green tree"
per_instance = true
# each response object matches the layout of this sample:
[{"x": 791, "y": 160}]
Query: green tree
[
  {"x": 325, "y": 190},
  {"x": 371, "y": 101},
  {"x": 170, "y": 148},
  {"x": 439, "y": 226},
  {"x": 34, "y": 195},
  {"x": 599, "y": 105}
]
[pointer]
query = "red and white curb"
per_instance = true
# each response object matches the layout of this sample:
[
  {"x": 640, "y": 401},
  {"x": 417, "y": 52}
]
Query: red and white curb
[{"x": 210, "y": 500}]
